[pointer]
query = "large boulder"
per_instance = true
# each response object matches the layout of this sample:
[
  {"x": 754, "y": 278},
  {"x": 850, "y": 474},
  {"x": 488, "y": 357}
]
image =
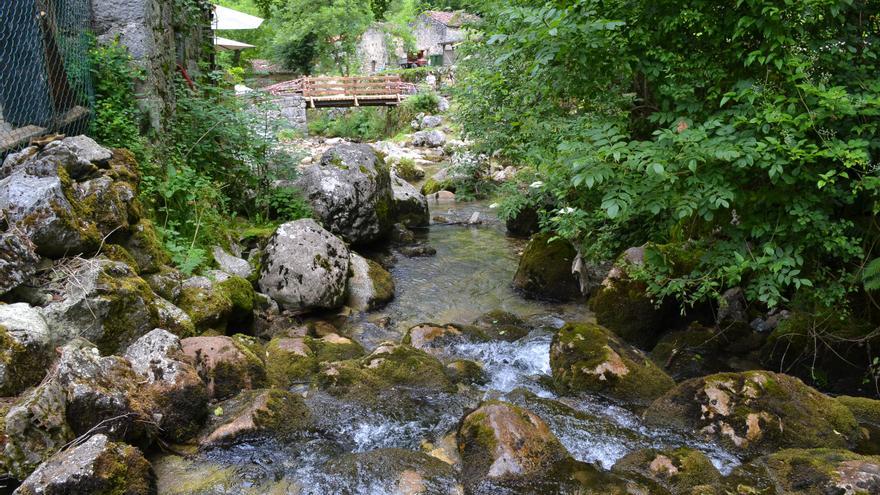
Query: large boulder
[
  {"x": 256, "y": 413},
  {"x": 224, "y": 302},
  {"x": 18, "y": 258},
  {"x": 146, "y": 248},
  {"x": 699, "y": 350},
  {"x": 410, "y": 206},
  {"x": 25, "y": 348},
  {"x": 432, "y": 138},
  {"x": 544, "y": 270},
  {"x": 587, "y": 358},
  {"x": 806, "y": 472},
  {"x": 305, "y": 267},
  {"x": 96, "y": 466},
  {"x": 180, "y": 397},
  {"x": 370, "y": 285},
  {"x": 293, "y": 360},
  {"x": 102, "y": 301},
  {"x": 225, "y": 364},
  {"x": 756, "y": 412},
  {"x": 867, "y": 413},
  {"x": 678, "y": 470},
  {"x": 350, "y": 193}
]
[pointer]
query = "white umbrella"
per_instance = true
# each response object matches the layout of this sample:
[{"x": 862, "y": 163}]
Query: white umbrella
[
  {"x": 226, "y": 18},
  {"x": 228, "y": 44}
]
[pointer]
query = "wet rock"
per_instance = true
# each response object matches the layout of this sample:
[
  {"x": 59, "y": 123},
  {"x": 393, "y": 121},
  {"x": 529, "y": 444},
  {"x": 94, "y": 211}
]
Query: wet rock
[
  {"x": 179, "y": 395},
  {"x": 370, "y": 286},
  {"x": 402, "y": 235},
  {"x": 676, "y": 470},
  {"x": 410, "y": 206},
  {"x": 587, "y": 358},
  {"x": 102, "y": 301},
  {"x": 433, "y": 338},
  {"x": 97, "y": 466},
  {"x": 18, "y": 259},
  {"x": 145, "y": 247},
  {"x": 393, "y": 471},
  {"x": 524, "y": 223},
  {"x": 217, "y": 304},
  {"x": 501, "y": 440},
  {"x": 230, "y": 264},
  {"x": 466, "y": 371},
  {"x": 699, "y": 351},
  {"x": 417, "y": 251},
  {"x": 432, "y": 138},
  {"x": 544, "y": 270},
  {"x": 501, "y": 325},
  {"x": 867, "y": 413},
  {"x": 305, "y": 267},
  {"x": 25, "y": 348},
  {"x": 732, "y": 307},
  {"x": 225, "y": 365},
  {"x": 293, "y": 360},
  {"x": 756, "y": 412},
  {"x": 256, "y": 413},
  {"x": 807, "y": 472},
  {"x": 350, "y": 192}
]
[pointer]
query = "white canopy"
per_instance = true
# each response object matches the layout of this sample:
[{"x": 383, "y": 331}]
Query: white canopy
[
  {"x": 226, "y": 18},
  {"x": 227, "y": 44}
]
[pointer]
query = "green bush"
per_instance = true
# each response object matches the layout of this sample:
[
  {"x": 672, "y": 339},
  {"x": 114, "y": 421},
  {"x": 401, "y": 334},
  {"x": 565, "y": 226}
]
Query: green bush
[
  {"x": 358, "y": 124},
  {"x": 117, "y": 118},
  {"x": 749, "y": 128}
]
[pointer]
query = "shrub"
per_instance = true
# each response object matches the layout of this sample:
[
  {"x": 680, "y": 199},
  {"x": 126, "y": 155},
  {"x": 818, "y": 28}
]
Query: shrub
[{"x": 117, "y": 117}]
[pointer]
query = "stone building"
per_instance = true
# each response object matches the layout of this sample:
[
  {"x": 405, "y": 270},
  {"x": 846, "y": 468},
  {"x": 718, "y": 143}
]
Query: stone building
[
  {"x": 437, "y": 33},
  {"x": 379, "y": 50}
]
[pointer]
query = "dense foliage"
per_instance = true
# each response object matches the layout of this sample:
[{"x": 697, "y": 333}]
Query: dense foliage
[{"x": 748, "y": 128}]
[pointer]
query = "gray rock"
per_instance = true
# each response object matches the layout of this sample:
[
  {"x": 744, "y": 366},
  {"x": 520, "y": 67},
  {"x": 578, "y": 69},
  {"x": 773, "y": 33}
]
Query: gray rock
[
  {"x": 102, "y": 301},
  {"x": 442, "y": 104},
  {"x": 181, "y": 396},
  {"x": 86, "y": 149},
  {"x": 430, "y": 138},
  {"x": 96, "y": 466},
  {"x": 350, "y": 193},
  {"x": 232, "y": 264},
  {"x": 430, "y": 121},
  {"x": 25, "y": 351},
  {"x": 18, "y": 259},
  {"x": 111, "y": 203},
  {"x": 410, "y": 206},
  {"x": 173, "y": 318},
  {"x": 167, "y": 282},
  {"x": 305, "y": 267},
  {"x": 370, "y": 285}
]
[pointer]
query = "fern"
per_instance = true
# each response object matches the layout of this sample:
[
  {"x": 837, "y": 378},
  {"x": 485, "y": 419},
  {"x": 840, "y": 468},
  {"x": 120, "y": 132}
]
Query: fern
[{"x": 871, "y": 275}]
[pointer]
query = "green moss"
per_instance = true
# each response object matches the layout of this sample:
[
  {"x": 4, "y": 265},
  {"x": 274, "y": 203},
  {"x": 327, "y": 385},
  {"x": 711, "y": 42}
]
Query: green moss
[
  {"x": 544, "y": 270},
  {"x": 241, "y": 293},
  {"x": 285, "y": 414},
  {"x": 586, "y": 358},
  {"x": 383, "y": 283},
  {"x": 146, "y": 247},
  {"x": 676, "y": 470},
  {"x": 23, "y": 367},
  {"x": 207, "y": 308},
  {"x": 466, "y": 371},
  {"x": 286, "y": 367},
  {"x": 131, "y": 302},
  {"x": 124, "y": 472},
  {"x": 501, "y": 325},
  {"x": 432, "y": 186},
  {"x": 182, "y": 476},
  {"x": 116, "y": 252},
  {"x": 624, "y": 308}
]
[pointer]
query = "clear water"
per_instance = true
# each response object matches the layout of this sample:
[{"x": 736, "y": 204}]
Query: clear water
[{"x": 470, "y": 275}]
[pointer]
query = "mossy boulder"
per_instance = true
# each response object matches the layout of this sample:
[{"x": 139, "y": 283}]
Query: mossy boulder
[
  {"x": 501, "y": 325},
  {"x": 410, "y": 206},
  {"x": 293, "y": 360},
  {"x": 253, "y": 414},
  {"x": 25, "y": 348},
  {"x": 756, "y": 412},
  {"x": 544, "y": 270},
  {"x": 867, "y": 413},
  {"x": 96, "y": 466},
  {"x": 167, "y": 283},
  {"x": 225, "y": 365},
  {"x": 585, "y": 357},
  {"x": 466, "y": 372},
  {"x": 699, "y": 350},
  {"x": 433, "y": 186},
  {"x": 392, "y": 470},
  {"x": 677, "y": 470},
  {"x": 146, "y": 248},
  {"x": 218, "y": 304},
  {"x": 369, "y": 285},
  {"x": 807, "y": 472}
]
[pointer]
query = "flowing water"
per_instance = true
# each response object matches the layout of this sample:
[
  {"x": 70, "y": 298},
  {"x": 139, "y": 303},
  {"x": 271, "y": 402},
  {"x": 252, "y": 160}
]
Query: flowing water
[{"x": 470, "y": 275}]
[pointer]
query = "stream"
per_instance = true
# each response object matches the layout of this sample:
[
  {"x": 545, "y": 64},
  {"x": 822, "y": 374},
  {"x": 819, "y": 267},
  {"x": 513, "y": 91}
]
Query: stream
[{"x": 470, "y": 275}]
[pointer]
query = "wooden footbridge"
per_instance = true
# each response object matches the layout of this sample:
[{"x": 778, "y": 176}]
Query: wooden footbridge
[{"x": 344, "y": 92}]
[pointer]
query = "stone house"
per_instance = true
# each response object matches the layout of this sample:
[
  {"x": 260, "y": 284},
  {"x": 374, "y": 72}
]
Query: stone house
[
  {"x": 437, "y": 33},
  {"x": 378, "y": 50}
]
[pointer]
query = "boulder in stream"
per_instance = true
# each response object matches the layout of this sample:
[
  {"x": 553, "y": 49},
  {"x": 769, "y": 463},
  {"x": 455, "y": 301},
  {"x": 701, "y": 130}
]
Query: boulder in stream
[
  {"x": 392, "y": 470},
  {"x": 678, "y": 471},
  {"x": 544, "y": 270},
  {"x": 225, "y": 364},
  {"x": 410, "y": 205},
  {"x": 293, "y": 360},
  {"x": 256, "y": 413},
  {"x": 370, "y": 286}
]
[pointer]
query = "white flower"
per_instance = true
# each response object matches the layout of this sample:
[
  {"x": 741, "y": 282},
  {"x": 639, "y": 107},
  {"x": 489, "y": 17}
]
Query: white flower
[
  {"x": 567, "y": 210},
  {"x": 493, "y": 206},
  {"x": 536, "y": 184}
]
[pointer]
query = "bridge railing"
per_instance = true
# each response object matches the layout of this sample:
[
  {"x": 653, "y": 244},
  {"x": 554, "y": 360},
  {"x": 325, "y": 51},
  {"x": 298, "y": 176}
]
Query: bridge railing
[{"x": 352, "y": 86}]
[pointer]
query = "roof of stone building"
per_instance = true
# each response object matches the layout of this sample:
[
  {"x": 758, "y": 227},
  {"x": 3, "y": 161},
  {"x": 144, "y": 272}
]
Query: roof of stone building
[{"x": 451, "y": 19}]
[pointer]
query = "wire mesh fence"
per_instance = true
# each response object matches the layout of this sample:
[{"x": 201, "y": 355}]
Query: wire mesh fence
[{"x": 45, "y": 80}]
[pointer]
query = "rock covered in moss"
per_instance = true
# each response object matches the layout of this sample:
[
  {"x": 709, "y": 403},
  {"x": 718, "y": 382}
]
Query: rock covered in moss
[
  {"x": 35, "y": 427},
  {"x": 433, "y": 338},
  {"x": 867, "y": 413},
  {"x": 176, "y": 320},
  {"x": 217, "y": 304},
  {"x": 369, "y": 286},
  {"x": 167, "y": 283},
  {"x": 305, "y": 267},
  {"x": 256, "y": 413},
  {"x": 501, "y": 440},
  {"x": 145, "y": 247},
  {"x": 25, "y": 348},
  {"x": 585, "y": 357},
  {"x": 699, "y": 350},
  {"x": 410, "y": 205},
  {"x": 18, "y": 257},
  {"x": 392, "y": 470},
  {"x": 225, "y": 365},
  {"x": 350, "y": 193},
  {"x": 292, "y": 360},
  {"x": 501, "y": 325},
  {"x": 677, "y": 470},
  {"x": 544, "y": 270},
  {"x": 102, "y": 301},
  {"x": 110, "y": 204},
  {"x": 179, "y": 395},
  {"x": 807, "y": 472},
  {"x": 466, "y": 372},
  {"x": 756, "y": 412},
  {"x": 96, "y": 466}
]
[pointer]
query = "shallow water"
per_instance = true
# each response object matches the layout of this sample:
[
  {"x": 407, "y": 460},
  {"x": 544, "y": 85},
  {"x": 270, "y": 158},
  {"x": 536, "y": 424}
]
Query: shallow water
[{"x": 470, "y": 275}]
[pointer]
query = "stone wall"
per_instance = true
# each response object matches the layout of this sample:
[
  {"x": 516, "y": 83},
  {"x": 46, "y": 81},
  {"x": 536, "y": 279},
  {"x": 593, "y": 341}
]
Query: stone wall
[
  {"x": 292, "y": 109},
  {"x": 429, "y": 34},
  {"x": 160, "y": 35},
  {"x": 377, "y": 50}
]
